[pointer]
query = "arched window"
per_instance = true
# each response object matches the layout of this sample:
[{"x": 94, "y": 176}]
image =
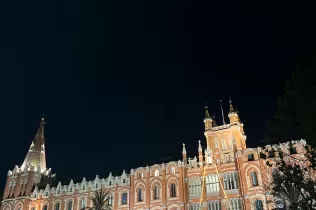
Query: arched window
[
  {"x": 172, "y": 170},
  {"x": 124, "y": 198},
  {"x": 156, "y": 192},
  {"x": 110, "y": 200},
  {"x": 57, "y": 206},
  {"x": 259, "y": 205},
  {"x": 254, "y": 178},
  {"x": 69, "y": 205},
  {"x": 173, "y": 192},
  {"x": 140, "y": 195},
  {"x": 44, "y": 207},
  {"x": 157, "y": 172},
  {"x": 82, "y": 203}
]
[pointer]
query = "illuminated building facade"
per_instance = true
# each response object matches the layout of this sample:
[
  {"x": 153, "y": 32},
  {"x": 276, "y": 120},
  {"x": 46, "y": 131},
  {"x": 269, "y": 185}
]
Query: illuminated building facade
[{"x": 226, "y": 175}]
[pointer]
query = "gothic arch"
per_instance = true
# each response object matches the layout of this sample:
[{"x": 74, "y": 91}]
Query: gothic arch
[
  {"x": 7, "y": 207},
  {"x": 18, "y": 205},
  {"x": 173, "y": 207}
]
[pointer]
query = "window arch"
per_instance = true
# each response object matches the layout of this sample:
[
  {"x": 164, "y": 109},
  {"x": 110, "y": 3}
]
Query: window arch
[{"x": 254, "y": 178}]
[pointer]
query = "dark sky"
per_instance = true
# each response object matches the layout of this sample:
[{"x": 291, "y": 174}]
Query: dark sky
[{"x": 125, "y": 82}]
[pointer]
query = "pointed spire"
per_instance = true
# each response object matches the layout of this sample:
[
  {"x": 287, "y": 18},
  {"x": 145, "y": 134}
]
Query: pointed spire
[
  {"x": 200, "y": 147},
  {"x": 222, "y": 113},
  {"x": 207, "y": 115},
  {"x": 36, "y": 155},
  {"x": 183, "y": 149},
  {"x": 213, "y": 120},
  {"x": 231, "y": 108}
]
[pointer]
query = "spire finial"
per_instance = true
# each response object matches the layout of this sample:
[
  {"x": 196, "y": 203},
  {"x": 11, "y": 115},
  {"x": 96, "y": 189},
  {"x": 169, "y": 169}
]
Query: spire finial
[
  {"x": 207, "y": 115},
  {"x": 222, "y": 113},
  {"x": 200, "y": 147},
  {"x": 213, "y": 120},
  {"x": 183, "y": 149},
  {"x": 231, "y": 108}
]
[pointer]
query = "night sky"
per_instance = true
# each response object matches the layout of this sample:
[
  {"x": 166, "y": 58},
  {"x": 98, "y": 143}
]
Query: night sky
[{"x": 125, "y": 82}]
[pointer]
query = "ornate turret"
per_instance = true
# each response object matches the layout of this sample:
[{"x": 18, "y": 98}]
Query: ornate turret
[
  {"x": 233, "y": 115},
  {"x": 207, "y": 119},
  {"x": 35, "y": 158}
]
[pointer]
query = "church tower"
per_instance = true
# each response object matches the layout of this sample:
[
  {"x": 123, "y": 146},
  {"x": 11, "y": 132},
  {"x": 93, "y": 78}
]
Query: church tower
[
  {"x": 225, "y": 139},
  {"x": 33, "y": 172}
]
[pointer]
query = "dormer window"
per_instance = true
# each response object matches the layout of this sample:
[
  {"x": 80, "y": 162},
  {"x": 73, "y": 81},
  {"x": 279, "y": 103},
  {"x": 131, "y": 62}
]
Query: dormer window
[
  {"x": 157, "y": 172},
  {"x": 110, "y": 183},
  {"x": 123, "y": 181}
]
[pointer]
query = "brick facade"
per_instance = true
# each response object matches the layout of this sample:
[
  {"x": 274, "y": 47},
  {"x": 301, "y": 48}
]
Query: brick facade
[{"x": 226, "y": 176}]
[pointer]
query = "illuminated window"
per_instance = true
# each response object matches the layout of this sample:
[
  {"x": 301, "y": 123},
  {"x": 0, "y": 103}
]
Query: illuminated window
[
  {"x": 157, "y": 172},
  {"x": 195, "y": 206},
  {"x": 214, "y": 205},
  {"x": 254, "y": 178},
  {"x": 223, "y": 145},
  {"x": 124, "y": 198},
  {"x": 212, "y": 184},
  {"x": 110, "y": 200},
  {"x": 230, "y": 181},
  {"x": 234, "y": 204},
  {"x": 172, "y": 170},
  {"x": 195, "y": 186}
]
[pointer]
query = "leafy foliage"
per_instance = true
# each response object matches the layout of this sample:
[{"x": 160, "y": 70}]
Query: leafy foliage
[
  {"x": 100, "y": 200},
  {"x": 295, "y": 115},
  {"x": 293, "y": 181}
]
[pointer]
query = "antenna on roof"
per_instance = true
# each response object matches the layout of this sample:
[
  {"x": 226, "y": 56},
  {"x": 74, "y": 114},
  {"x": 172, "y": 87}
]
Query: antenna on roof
[{"x": 222, "y": 113}]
